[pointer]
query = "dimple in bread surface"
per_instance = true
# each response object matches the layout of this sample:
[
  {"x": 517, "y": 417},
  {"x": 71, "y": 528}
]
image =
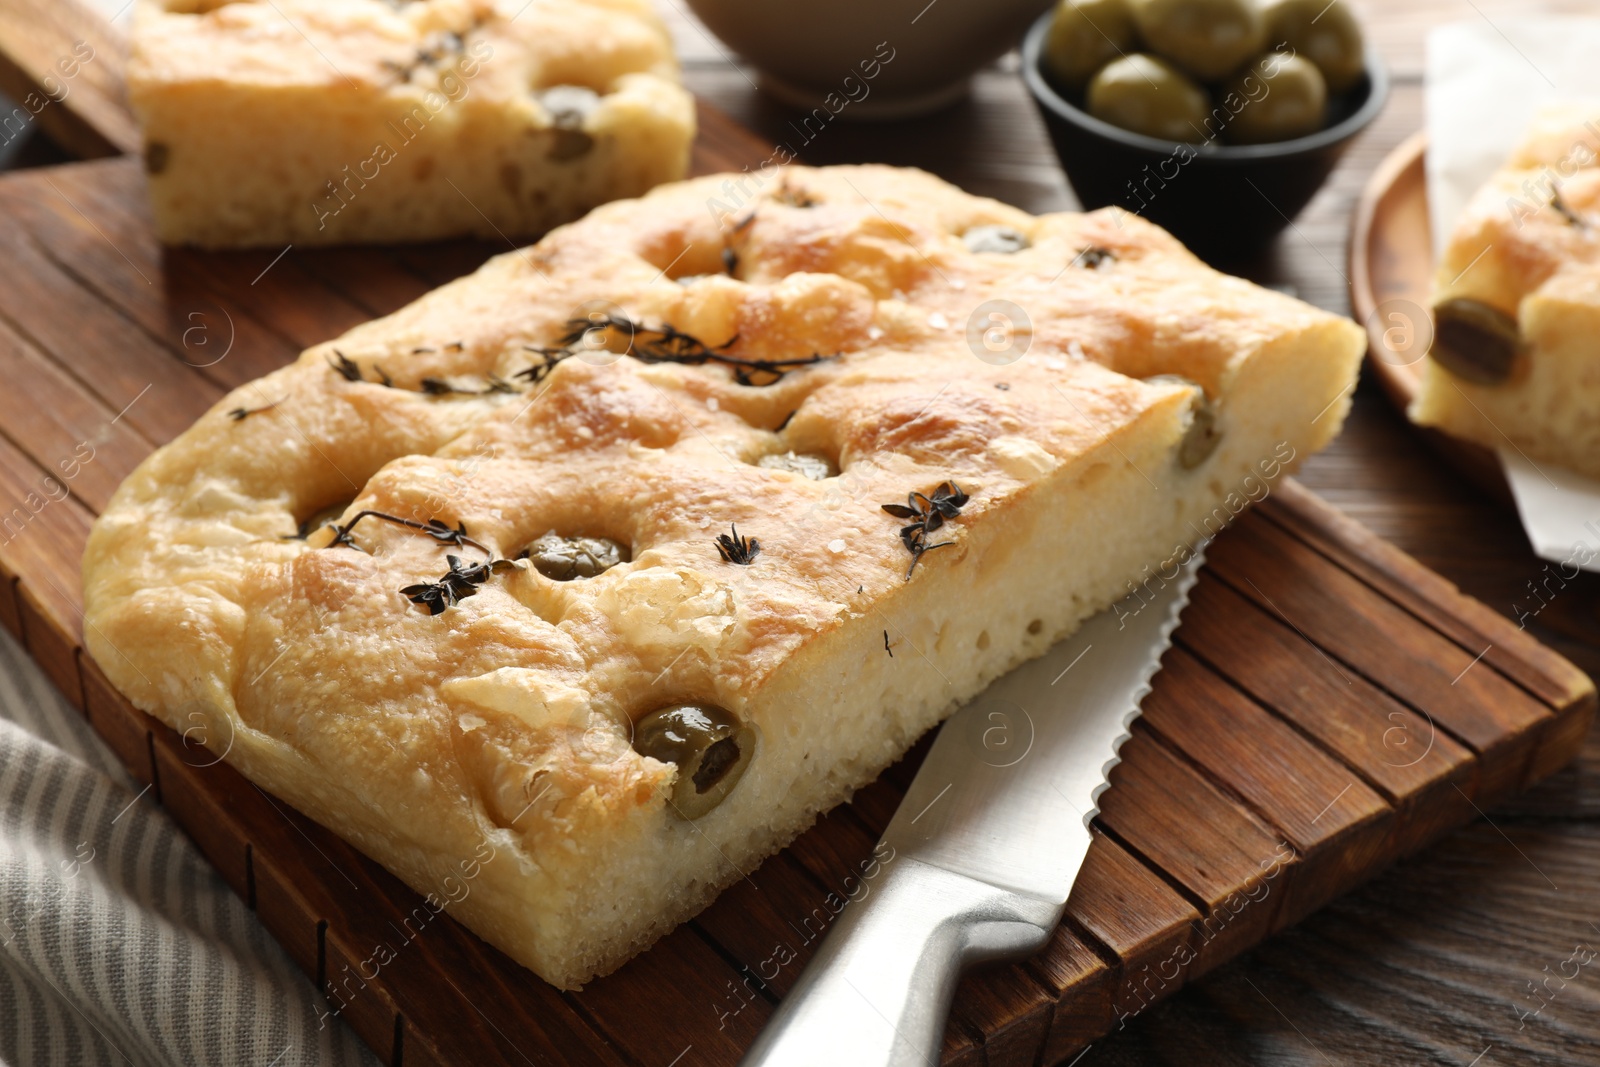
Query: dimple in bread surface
[{"x": 503, "y": 723}]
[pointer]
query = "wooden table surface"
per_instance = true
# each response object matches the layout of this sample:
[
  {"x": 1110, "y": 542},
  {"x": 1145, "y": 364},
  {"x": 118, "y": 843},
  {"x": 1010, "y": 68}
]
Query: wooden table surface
[
  {"x": 1446, "y": 958},
  {"x": 1435, "y": 962}
]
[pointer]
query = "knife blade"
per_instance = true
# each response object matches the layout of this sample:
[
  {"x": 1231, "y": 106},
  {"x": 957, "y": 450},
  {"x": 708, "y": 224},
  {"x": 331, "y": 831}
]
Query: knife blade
[{"x": 981, "y": 855}]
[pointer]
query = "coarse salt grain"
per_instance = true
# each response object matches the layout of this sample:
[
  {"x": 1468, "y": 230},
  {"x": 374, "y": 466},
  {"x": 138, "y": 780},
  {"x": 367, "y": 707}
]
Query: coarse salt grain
[{"x": 836, "y": 545}]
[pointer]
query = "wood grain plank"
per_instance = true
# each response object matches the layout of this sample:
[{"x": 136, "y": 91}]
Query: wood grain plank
[
  {"x": 52, "y": 649},
  {"x": 107, "y": 354},
  {"x": 1008, "y": 1011},
  {"x": 445, "y": 261},
  {"x": 181, "y": 763},
  {"x": 1139, "y": 919},
  {"x": 73, "y": 438},
  {"x": 505, "y": 1006},
  {"x": 770, "y": 922},
  {"x": 1512, "y": 650},
  {"x": 722, "y": 144},
  {"x": 123, "y": 728},
  {"x": 1371, "y": 732},
  {"x": 42, "y": 534},
  {"x": 684, "y": 982},
  {"x": 1419, "y": 770},
  {"x": 116, "y": 259},
  {"x": 272, "y": 288},
  {"x": 376, "y": 283},
  {"x": 1178, "y": 823},
  {"x": 1081, "y": 981},
  {"x": 1292, "y": 784},
  {"x": 1125, "y": 906},
  {"x": 191, "y": 282},
  {"x": 1336, "y": 825},
  {"x": 10, "y": 611},
  {"x": 63, "y": 62},
  {"x": 1363, "y": 633}
]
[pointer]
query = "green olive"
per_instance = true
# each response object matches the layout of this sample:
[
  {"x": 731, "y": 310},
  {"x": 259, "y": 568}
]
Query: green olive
[
  {"x": 1202, "y": 436},
  {"x": 1208, "y": 38},
  {"x": 1325, "y": 33},
  {"x": 1000, "y": 240},
  {"x": 562, "y": 559},
  {"x": 1277, "y": 98},
  {"x": 570, "y": 107},
  {"x": 806, "y": 464},
  {"x": 711, "y": 747},
  {"x": 1475, "y": 341},
  {"x": 1149, "y": 96},
  {"x": 1085, "y": 35}
]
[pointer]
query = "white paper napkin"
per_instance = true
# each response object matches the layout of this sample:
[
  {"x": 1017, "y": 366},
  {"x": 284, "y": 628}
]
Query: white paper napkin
[{"x": 1485, "y": 83}]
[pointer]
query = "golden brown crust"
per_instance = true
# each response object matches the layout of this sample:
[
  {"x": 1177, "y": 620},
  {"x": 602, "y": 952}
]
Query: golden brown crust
[{"x": 506, "y": 717}]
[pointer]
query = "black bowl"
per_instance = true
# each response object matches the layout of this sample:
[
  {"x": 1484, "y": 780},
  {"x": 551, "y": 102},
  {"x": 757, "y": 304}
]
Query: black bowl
[{"x": 1226, "y": 202}]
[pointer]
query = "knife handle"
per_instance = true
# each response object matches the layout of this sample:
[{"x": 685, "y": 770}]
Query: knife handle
[{"x": 879, "y": 988}]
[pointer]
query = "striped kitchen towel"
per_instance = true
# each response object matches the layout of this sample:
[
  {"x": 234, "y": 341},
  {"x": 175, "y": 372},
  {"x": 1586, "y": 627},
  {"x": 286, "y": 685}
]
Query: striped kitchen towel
[{"x": 118, "y": 942}]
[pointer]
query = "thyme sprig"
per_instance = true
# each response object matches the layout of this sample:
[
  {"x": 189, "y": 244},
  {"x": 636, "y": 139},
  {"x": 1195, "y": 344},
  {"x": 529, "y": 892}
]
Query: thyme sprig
[
  {"x": 434, "y": 528},
  {"x": 737, "y": 549},
  {"x": 548, "y": 358},
  {"x": 351, "y": 371},
  {"x": 793, "y": 196},
  {"x": 444, "y": 46},
  {"x": 493, "y": 383},
  {"x": 929, "y": 514},
  {"x": 668, "y": 344},
  {"x": 241, "y": 413},
  {"x": 648, "y": 344},
  {"x": 458, "y": 583},
  {"x": 1565, "y": 211},
  {"x": 345, "y": 366}
]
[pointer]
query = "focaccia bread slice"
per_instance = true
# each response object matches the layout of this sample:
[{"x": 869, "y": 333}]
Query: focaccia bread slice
[
  {"x": 1515, "y": 360},
  {"x": 720, "y": 403},
  {"x": 316, "y": 122}
]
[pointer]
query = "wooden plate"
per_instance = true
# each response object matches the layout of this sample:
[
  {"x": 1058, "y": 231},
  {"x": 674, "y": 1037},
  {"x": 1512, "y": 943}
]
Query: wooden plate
[{"x": 1391, "y": 283}]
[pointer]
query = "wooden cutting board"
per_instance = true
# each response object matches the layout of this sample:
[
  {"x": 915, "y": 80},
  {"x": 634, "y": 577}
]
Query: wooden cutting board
[{"x": 1329, "y": 706}]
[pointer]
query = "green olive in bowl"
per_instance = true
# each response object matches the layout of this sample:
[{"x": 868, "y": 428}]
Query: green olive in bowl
[
  {"x": 1150, "y": 96},
  {"x": 1279, "y": 97},
  {"x": 1209, "y": 39},
  {"x": 1084, "y": 36},
  {"x": 1325, "y": 33}
]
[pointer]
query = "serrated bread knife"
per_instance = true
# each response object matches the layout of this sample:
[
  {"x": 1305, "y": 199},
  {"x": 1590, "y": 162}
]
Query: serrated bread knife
[{"x": 984, "y": 849}]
